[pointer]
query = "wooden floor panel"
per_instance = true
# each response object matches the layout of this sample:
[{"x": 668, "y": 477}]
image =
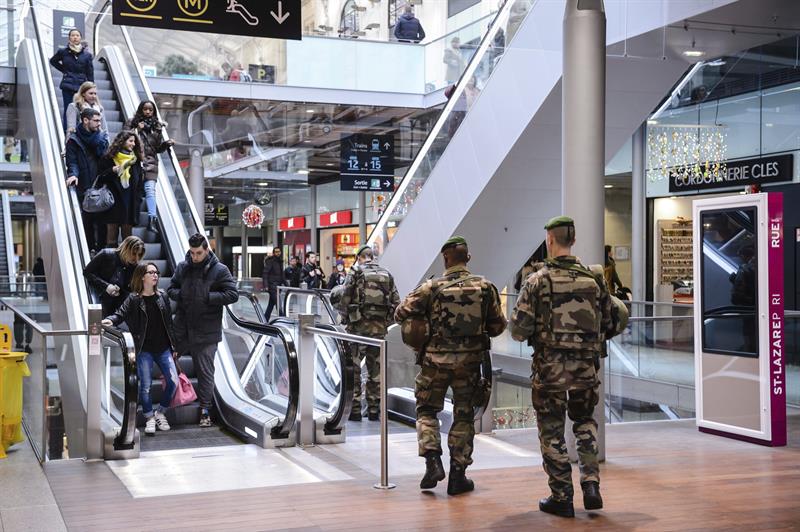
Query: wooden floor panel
[{"x": 659, "y": 476}]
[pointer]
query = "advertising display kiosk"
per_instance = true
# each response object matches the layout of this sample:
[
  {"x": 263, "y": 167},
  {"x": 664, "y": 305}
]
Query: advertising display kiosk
[{"x": 740, "y": 385}]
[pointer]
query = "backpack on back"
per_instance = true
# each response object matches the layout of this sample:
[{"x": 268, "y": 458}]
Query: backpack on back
[{"x": 373, "y": 288}]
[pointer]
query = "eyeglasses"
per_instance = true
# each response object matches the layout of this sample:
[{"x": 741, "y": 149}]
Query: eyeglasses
[{"x": 152, "y": 272}]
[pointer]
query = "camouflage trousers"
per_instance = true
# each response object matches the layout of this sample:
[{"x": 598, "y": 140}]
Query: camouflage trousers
[
  {"x": 551, "y": 407},
  {"x": 373, "y": 363},
  {"x": 430, "y": 390}
]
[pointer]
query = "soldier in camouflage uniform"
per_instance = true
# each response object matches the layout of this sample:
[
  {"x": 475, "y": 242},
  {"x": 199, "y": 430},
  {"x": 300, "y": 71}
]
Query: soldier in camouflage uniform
[
  {"x": 366, "y": 301},
  {"x": 460, "y": 311},
  {"x": 563, "y": 311}
]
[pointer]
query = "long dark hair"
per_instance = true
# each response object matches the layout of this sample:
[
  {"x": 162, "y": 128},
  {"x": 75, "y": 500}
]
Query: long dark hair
[
  {"x": 137, "y": 278},
  {"x": 153, "y": 121},
  {"x": 119, "y": 142}
]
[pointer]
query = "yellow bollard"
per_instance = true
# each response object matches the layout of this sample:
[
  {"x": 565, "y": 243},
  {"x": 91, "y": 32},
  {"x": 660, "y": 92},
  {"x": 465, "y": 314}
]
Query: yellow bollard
[{"x": 12, "y": 369}]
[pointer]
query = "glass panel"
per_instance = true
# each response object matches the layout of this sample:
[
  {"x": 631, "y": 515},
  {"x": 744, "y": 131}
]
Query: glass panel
[
  {"x": 113, "y": 386},
  {"x": 34, "y": 386},
  {"x": 741, "y": 117},
  {"x": 780, "y": 119},
  {"x": 268, "y": 381},
  {"x": 792, "y": 354},
  {"x": 730, "y": 277}
]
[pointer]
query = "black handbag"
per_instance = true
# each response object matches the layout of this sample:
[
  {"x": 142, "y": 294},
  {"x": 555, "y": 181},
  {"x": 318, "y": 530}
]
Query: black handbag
[{"x": 97, "y": 199}]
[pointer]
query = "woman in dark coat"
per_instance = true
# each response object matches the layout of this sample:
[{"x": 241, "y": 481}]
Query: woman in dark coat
[
  {"x": 146, "y": 124},
  {"x": 121, "y": 170},
  {"x": 109, "y": 273},
  {"x": 74, "y": 61}
]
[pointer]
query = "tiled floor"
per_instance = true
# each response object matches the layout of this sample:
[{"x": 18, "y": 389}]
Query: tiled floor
[{"x": 26, "y": 501}]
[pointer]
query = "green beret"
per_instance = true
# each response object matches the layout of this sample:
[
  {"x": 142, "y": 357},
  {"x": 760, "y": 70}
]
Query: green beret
[
  {"x": 362, "y": 248},
  {"x": 453, "y": 242},
  {"x": 559, "y": 221}
]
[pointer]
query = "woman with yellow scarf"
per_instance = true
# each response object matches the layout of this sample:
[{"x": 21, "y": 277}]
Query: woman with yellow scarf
[{"x": 121, "y": 170}]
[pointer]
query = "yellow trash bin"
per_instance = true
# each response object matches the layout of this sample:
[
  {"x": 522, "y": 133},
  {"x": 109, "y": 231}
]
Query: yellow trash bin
[{"x": 12, "y": 369}]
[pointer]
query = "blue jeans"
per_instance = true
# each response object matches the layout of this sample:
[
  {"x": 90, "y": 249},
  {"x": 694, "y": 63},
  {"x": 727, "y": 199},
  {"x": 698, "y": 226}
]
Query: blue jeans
[
  {"x": 144, "y": 368},
  {"x": 150, "y": 197}
]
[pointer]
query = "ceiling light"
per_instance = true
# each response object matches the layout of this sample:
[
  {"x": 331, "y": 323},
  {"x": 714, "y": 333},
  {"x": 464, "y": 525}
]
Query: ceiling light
[
  {"x": 652, "y": 122},
  {"x": 304, "y": 172},
  {"x": 716, "y": 63},
  {"x": 673, "y": 197},
  {"x": 328, "y": 164},
  {"x": 694, "y": 53},
  {"x": 608, "y": 186},
  {"x": 309, "y": 110},
  {"x": 262, "y": 184}
]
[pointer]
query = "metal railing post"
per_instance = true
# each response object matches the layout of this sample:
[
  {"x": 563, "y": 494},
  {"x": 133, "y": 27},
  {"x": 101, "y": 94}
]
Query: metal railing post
[
  {"x": 384, "y": 484},
  {"x": 94, "y": 375},
  {"x": 306, "y": 351}
]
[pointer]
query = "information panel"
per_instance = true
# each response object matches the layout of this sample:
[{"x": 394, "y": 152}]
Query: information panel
[
  {"x": 366, "y": 162},
  {"x": 277, "y": 19},
  {"x": 216, "y": 215}
]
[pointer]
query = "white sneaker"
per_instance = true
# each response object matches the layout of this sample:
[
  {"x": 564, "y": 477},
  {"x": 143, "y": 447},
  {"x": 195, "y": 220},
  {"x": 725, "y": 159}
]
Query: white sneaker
[
  {"x": 161, "y": 421},
  {"x": 150, "y": 426}
]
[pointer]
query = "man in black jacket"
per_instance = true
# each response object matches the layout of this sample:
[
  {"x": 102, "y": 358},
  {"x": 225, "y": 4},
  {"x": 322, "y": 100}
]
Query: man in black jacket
[
  {"x": 408, "y": 27},
  {"x": 273, "y": 278},
  {"x": 313, "y": 275},
  {"x": 83, "y": 151},
  {"x": 293, "y": 272},
  {"x": 201, "y": 286}
]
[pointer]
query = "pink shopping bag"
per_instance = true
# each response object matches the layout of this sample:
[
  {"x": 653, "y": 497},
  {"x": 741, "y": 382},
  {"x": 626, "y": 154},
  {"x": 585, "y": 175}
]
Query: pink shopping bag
[{"x": 184, "y": 393}]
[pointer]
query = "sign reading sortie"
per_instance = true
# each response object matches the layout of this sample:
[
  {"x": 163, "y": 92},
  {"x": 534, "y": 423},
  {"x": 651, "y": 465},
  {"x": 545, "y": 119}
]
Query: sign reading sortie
[
  {"x": 776, "y": 332},
  {"x": 739, "y": 173},
  {"x": 277, "y": 19}
]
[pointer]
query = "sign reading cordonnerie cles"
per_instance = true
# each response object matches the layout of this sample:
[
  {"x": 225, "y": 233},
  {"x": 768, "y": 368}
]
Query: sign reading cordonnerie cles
[
  {"x": 739, "y": 173},
  {"x": 366, "y": 162},
  {"x": 277, "y": 19}
]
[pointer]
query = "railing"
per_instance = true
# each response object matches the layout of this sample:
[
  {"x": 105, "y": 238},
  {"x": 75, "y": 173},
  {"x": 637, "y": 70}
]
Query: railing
[
  {"x": 295, "y": 301},
  {"x": 120, "y": 389},
  {"x": 476, "y": 75}
]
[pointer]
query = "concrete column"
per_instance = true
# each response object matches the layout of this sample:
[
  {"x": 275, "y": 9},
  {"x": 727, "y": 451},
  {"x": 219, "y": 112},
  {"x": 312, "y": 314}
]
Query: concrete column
[
  {"x": 244, "y": 271},
  {"x": 197, "y": 186},
  {"x": 362, "y": 218},
  {"x": 312, "y": 190},
  {"x": 638, "y": 217},
  {"x": 306, "y": 351},
  {"x": 583, "y": 87},
  {"x": 275, "y": 223}
]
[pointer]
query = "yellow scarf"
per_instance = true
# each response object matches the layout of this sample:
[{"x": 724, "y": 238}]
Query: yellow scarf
[{"x": 124, "y": 161}]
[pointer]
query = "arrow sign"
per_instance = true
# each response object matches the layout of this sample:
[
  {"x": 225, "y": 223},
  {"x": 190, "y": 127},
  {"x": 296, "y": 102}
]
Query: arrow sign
[
  {"x": 387, "y": 146},
  {"x": 387, "y": 184},
  {"x": 281, "y": 17}
]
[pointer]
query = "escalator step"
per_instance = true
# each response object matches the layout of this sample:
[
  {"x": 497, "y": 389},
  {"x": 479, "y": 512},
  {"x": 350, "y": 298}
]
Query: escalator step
[{"x": 152, "y": 251}]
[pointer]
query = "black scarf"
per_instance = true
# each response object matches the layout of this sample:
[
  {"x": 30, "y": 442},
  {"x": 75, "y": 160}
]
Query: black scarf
[{"x": 96, "y": 141}]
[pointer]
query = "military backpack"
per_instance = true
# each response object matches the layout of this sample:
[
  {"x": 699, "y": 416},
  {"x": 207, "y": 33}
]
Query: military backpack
[{"x": 372, "y": 289}]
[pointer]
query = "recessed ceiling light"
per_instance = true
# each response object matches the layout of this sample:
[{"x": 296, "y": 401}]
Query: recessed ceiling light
[
  {"x": 694, "y": 53},
  {"x": 673, "y": 197},
  {"x": 309, "y": 110},
  {"x": 304, "y": 172},
  {"x": 608, "y": 186},
  {"x": 328, "y": 164},
  {"x": 262, "y": 184},
  {"x": 652, "y": 122}
]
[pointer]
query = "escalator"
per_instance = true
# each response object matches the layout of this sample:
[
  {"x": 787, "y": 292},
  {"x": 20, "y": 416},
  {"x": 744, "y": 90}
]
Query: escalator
[{"x": 8, "y": 268}]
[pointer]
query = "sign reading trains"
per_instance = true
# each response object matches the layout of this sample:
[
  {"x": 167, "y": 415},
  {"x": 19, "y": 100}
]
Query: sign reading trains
[
  {"x": 277, "y": 19},
  {"x": 366, "y": 162}
]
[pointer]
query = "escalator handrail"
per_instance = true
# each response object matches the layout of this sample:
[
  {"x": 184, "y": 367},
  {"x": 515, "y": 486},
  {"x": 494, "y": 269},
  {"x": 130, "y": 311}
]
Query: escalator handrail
[
  {"x": 444, "y": 116},
  {"x": 321, "y": 293},
  {"x": 285, "y": 427},
  {"x": 125, "y": 440},
  {"x": 256, "y": 304},
  {"x": 170, "y": 154}
]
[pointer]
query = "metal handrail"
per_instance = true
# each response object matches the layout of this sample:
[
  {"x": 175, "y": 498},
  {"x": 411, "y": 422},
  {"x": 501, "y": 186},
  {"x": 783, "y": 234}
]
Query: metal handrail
[
  {"x": 285, "y": 427},
  {"x": 126, "y": 438},
  {"x": 36, "y": 326}
]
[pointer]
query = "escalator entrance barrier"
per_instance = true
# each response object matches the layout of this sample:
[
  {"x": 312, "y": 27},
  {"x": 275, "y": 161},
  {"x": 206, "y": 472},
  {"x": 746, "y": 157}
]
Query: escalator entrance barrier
[{"x": 12, "y": 370}]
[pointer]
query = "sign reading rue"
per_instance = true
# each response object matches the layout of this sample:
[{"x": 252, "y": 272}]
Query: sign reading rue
[
  {"x": 765, "y": 170},
  {"x": 277, "y": 19},
  {"x": 366, "y": 162}
]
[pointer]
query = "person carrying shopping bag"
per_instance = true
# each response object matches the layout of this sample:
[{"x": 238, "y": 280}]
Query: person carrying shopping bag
[{"x": 149, "y": 317}]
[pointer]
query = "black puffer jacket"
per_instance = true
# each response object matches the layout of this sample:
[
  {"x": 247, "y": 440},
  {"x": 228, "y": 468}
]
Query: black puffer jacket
[
  {"x": 134, "y": 312},
  {"x": 77, "y": 68},
  {"x": 201, "y": 291},
  {"x": 107, "y": 268}
]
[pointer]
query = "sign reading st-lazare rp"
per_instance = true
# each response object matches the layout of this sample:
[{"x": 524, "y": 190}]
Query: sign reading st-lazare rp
[{"x": 277, "y": 19}]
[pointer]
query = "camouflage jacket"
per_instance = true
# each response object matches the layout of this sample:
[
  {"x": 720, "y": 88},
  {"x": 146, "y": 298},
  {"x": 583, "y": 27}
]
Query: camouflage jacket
[
  {"x": 563, "y": 314},
  {"x": 350, "y": 303},
  {"x": 463, "y": 315}
]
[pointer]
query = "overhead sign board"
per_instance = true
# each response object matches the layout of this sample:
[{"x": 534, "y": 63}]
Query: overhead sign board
[
  {"x": 366, "y": 162},
  {"x": 760, "y": 171},
  {"x": 292, "y": 224},
  {"x": 216, "y": 215},
  {"x": 277, "y": 19},
  {"x": 63, "y": 23}
]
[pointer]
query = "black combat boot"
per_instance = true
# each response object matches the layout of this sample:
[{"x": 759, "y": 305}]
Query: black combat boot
[
  {"x": 457, "y": 481},
  {"x": 591, "y": 495},
  {"x": 152, "y": 224},
  {"x": 373, "y": 416},
  {"x": 355, "y": 415},
  {"x": 553, "y": 506},
  {"x": 434, "y": 471}
]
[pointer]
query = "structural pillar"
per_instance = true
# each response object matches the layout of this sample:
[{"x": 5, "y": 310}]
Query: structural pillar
[
  {"x": 362, "y": 218},
  {"x": 312, "y": 190},
  {"x": 197, "y": 186},
  {"x": 583, "y": 99},
  {"x": 638, "y": 218}
]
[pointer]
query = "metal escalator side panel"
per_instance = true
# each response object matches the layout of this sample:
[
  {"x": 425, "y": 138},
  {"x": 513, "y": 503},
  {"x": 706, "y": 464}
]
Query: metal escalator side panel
[
  {"x": 125, "y": 439},
  {"x": 66, "y": 289},
  {"x": 9, "y": 238}
]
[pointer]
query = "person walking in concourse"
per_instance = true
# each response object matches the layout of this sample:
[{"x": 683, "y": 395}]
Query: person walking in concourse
[
  {"x": 201, "y": 286},
  {"x": 366, "y": 301},
  {"x": 564, "y": 311},
  {"x": 272, "y": 276},
  {"x": 408, "y": 27},
  {"x": 293, "y": 273},
  {"x": 110, "y": 272},
  {"x": 449, "y": 322},
  {"x": 148, "y": 314},
  {"x": 121, "y": 171},
  {"x": 84, "y": 149},
  {"x": 76, "y": 64},
  {"x": 313, "y": 275},
  {"x": 150, "y": 130}
]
